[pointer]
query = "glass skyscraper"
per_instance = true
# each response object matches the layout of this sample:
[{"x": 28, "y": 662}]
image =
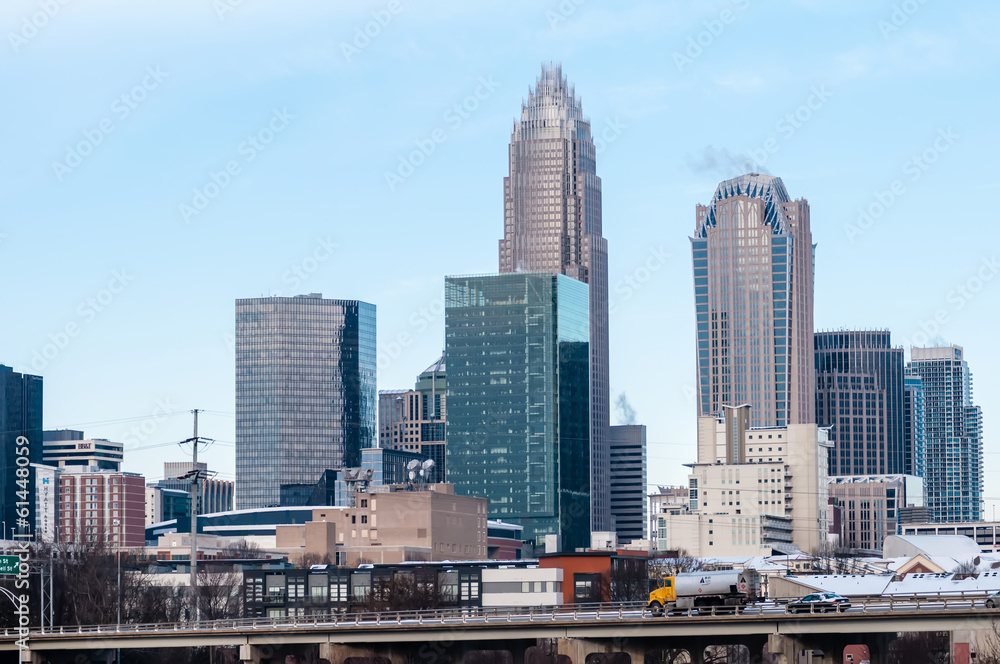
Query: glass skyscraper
[
  {"x": 753, "y": 284},
  {"x": 914, "y": 417},
  {"x": 552, "y": 223},
  {"x": 954, "y": 434},
  {"x": 518, "y": 353},
  {"x": 305, "y": 392},
  {"x": 859, "y": 392},
  {"x": 20, "y": 415}
]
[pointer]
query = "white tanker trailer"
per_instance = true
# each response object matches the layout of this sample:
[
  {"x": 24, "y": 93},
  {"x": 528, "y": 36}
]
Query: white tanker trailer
[{"x": 703, "y": 590}]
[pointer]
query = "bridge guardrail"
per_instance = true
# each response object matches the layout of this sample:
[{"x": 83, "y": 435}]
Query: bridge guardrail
[{"x": 467, "y": 615}]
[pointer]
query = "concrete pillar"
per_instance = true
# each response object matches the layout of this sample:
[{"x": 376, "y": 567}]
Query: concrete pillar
[
  {"x": 249, "y": 654},
  {"x": 31, "y": 657},
  {"x": 338, "y": 653},
  {"x": 785, "y": 649},
  {"x": 578, "y": 649}
]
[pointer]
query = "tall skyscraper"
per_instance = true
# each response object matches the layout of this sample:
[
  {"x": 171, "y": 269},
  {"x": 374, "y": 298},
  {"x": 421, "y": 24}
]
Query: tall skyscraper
[
  {"x": 552, "y": 223},
  {"x": 628, "y": 481},
  {"x": 954, "y": 434},
  {"x": 305, "y": 391},
  {"x": 859, "y": 392},
  {"x": 20, "y": 416},
  {"x": 753, "y": 283},
  {"x": 414, "y": 420},
  {"x": 914, "y": 418},
  {"x": 518, "y": 352}
]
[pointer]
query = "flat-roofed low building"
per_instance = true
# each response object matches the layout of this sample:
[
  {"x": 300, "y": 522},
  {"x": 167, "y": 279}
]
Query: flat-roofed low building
[
  {"x": 985, "y": 533},
  {"x": 447, "y": 584},
  {"x": 870, "y": 506},
  {"x": 428, "y": 523}
]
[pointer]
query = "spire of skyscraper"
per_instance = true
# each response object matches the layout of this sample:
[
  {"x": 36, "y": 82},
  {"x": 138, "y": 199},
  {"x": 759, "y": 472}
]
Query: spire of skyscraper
[{"x": 552, "y": 223}]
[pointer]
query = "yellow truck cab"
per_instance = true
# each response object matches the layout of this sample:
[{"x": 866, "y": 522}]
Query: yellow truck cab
[{"x": 663, "y": 595}]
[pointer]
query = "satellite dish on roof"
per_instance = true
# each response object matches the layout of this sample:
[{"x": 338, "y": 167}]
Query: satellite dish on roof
[
  {"x": 427, "y": 465},
  {"x": 413, "y": 464}
]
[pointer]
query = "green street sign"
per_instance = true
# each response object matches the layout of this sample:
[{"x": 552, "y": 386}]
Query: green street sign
[{"x": 9, "y": 564}]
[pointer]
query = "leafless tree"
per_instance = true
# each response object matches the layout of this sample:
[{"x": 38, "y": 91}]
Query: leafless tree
[
  {"x": 967, "y": 569},
  {"x": 241, "y": 550},
  {"x": 920, "y": 648},
  {"x": 681, "y": 562},
  {"x": 220, "y": 592},
  {"x": 727, "y": 654},
  {"x": 628, "y": 580},
  {"x": 310, "y": 559},
  {"x": 988, "y": 646}
]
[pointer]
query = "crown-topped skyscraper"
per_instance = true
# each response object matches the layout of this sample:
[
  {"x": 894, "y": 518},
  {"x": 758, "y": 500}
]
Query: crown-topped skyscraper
[
  {"x": 753, "y": 287},
  {"x": 552, "y": 223}
]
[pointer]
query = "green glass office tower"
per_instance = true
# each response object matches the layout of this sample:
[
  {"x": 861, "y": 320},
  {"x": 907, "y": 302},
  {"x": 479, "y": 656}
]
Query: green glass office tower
[{"x": 518, "y": 353}]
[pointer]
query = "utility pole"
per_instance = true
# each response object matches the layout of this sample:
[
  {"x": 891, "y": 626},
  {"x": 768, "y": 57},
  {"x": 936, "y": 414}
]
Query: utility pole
[{"x": 194, "y": 520}]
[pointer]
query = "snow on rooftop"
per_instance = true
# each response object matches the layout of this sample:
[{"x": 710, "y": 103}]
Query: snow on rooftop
[
  {"x": 849, "y": 585},
  {"x": 957, "y": 547}
]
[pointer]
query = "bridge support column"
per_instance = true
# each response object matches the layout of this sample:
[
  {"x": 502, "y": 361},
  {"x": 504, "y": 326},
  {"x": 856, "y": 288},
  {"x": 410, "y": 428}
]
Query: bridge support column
[
  {"x": 787, "y": 650},
  {"x": 249, "y": 654},
  {"x": 338, "y": 653},
  {"x": 578, "y": 649},
  {"x": 31, "y": 657}
]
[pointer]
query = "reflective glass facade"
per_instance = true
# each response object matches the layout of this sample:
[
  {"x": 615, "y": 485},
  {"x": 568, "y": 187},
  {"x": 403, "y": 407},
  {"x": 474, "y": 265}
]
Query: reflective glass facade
[
  {"x": 552, "y": 223},
  {"x": 518, "y": 354},
  {"x": 753, "y": 284},
  {"x": 914, "y": 436},
  {"x": 954, "y": 434},
  {"x": 305, "y": 391},
  {"x": 859, "y": 392},
  {"x": 20, "y": 415}
]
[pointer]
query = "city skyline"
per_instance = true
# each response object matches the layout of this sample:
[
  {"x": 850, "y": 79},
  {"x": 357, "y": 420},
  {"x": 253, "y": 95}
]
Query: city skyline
[{"x": 143, "y": 347}]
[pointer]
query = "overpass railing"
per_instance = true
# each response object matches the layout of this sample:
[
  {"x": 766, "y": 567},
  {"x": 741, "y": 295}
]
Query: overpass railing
[{"x": 491, "y": 615}]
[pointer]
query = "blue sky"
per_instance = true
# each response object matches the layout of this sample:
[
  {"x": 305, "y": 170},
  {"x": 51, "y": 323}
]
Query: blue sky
[{"x": 161, "y": 159}]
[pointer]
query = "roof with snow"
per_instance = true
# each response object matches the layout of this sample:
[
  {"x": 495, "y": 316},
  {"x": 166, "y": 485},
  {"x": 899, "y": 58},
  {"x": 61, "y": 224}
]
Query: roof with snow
[{"x": 958, "y": 547}]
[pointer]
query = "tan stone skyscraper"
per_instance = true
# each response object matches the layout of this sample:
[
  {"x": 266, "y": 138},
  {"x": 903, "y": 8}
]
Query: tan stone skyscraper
[
  {"x": 552, "y": 223},
  {"x": 753, "y": 283}
]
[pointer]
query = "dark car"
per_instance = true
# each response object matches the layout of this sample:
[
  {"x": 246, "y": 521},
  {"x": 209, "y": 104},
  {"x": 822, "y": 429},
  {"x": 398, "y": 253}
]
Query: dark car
[{"x": 819, "y": 603}]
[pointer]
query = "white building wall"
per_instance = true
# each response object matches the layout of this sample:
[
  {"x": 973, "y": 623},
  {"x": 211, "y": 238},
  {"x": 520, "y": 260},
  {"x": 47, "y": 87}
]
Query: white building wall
[{"x": 532, "y": 586}]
